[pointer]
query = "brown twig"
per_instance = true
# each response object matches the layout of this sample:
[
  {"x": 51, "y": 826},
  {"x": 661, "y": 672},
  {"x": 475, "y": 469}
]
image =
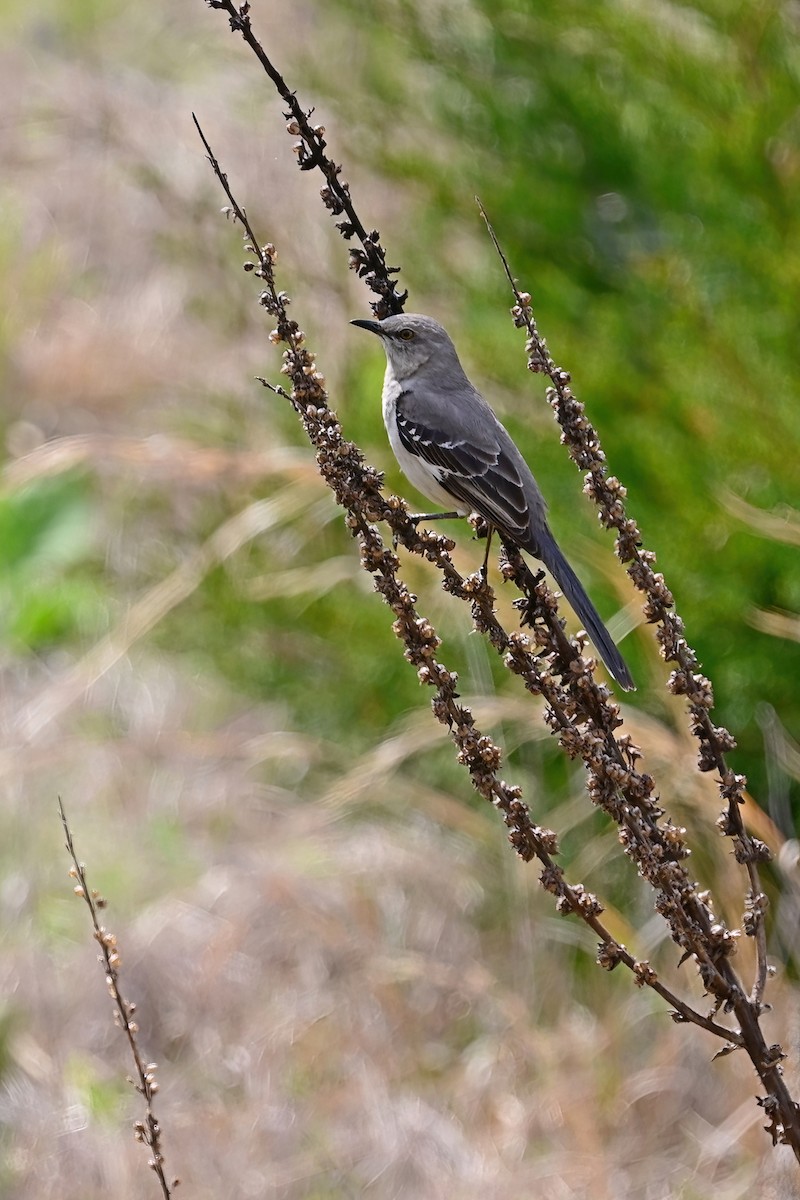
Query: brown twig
[
  {"x": 370, "y": 261},
  {"x": 147, "y": 1131}
]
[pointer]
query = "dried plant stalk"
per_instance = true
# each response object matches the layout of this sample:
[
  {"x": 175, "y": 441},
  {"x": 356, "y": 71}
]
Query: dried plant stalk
[
  {"x": 581, "y": 711},
  {"x": 147, "y": 1131},
  {"x": 583, "y": 442}
]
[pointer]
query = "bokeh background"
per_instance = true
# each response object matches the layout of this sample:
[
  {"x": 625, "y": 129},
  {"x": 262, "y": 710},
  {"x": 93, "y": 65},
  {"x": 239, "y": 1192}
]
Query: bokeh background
[{"x": 350, "y": 984}]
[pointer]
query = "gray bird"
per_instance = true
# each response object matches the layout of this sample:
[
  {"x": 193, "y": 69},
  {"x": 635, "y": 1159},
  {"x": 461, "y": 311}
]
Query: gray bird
[{"x": 453, "y": 449}]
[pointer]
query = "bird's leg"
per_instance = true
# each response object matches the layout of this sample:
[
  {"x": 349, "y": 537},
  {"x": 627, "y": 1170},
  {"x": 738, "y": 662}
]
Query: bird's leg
[
  {"x": 485, "y": 567},
  {"x": 417, "y": 517}
]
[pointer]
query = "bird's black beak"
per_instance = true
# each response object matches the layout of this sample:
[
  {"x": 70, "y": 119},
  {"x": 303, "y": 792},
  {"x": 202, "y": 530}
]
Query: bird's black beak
[{"x": 372, "y": 326}]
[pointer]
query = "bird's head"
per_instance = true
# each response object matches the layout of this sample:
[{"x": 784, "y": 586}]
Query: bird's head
[{"x": 411, "y": 342}]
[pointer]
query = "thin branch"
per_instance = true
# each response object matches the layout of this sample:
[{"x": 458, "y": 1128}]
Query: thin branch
[
  {"x": 609, "y": 495},
  {"x": 147, "y": 1131},
  {"x": 370, "y": 261}
]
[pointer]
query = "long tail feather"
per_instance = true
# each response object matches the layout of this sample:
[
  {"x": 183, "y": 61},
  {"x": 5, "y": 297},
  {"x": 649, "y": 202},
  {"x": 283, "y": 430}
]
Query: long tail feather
[{"x": 549, "y": 553}]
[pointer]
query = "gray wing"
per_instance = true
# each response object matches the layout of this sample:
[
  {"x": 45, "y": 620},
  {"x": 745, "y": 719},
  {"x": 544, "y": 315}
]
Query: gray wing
[
  {"x": 487, "y": 473},
  {"x": 480, "y": 465}
]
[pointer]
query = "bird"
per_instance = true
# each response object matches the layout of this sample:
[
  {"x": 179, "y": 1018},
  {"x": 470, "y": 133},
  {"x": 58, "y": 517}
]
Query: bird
[{"x": 453, "y": 449}]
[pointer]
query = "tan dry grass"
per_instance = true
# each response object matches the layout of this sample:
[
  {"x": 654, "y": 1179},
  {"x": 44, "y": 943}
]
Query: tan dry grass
[{"x": 330, "y": 1005}]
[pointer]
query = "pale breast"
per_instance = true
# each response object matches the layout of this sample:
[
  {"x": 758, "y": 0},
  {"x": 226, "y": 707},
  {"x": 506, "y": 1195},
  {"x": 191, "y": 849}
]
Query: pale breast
[{"x": 424, "y": 477}]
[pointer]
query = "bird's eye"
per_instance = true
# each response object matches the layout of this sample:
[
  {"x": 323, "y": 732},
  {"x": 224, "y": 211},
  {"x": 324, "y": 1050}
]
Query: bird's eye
[{"x": 407, "y": 335}]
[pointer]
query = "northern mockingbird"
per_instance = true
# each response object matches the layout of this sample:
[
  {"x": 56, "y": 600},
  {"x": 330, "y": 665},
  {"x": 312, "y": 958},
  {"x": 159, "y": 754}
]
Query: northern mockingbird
[{"x": 453, "y": 449}]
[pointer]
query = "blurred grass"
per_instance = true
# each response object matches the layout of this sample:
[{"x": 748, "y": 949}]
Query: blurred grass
[{"x": 348, "y": 979}]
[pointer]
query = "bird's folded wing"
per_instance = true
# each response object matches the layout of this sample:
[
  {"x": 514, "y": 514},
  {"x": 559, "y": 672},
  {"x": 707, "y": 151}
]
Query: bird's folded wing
[{"x": 481, "y": 474}]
